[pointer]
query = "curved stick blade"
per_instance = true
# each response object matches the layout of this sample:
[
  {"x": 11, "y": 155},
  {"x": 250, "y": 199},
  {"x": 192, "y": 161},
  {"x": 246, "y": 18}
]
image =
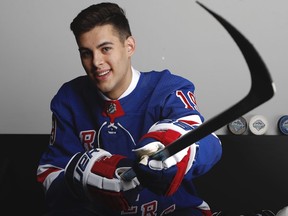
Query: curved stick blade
[{"x": 262, "y": 89}]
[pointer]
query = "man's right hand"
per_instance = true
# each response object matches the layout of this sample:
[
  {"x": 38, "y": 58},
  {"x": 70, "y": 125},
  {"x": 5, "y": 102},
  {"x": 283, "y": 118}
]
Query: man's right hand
[{"x": 96, "y": 174}]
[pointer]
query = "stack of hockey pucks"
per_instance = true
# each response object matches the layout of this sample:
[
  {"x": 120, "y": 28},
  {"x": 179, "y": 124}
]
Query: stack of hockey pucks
[
  {"x": 258, "y": 125},
  {"x": 283, "y": 124},
  {"x": 238, "y": 126}
]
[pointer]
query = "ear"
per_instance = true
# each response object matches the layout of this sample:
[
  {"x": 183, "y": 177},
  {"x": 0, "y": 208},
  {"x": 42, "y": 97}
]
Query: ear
[{"x": 131, "y": 45}]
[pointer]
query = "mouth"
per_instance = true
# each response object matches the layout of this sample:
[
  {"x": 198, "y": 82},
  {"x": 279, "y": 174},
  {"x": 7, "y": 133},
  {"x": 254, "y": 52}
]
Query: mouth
[{"x": 102, "y": 73}]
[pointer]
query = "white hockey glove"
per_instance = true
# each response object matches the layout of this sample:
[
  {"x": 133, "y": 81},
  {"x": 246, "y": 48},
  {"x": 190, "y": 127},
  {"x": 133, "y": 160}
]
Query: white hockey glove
[
  {"x": 95, "y": 174},
  {"x": 164, "y": 177}
]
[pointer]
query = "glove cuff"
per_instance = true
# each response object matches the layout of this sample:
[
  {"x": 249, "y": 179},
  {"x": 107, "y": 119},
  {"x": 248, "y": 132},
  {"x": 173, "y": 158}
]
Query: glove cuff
[
  {"x": 69, "y": 173},
  {"x": 78, "y": 165}
]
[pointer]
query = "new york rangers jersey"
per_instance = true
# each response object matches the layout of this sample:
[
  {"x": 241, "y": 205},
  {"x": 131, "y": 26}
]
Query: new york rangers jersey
[{"x": 83, "y": 118}]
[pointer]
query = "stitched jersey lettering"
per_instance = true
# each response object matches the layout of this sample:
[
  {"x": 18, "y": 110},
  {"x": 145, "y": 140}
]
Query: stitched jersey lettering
[
  {"x": 87, "y": 138},
  {"x": 149, "y": 209},
  {"x": 188, "y": 100}
]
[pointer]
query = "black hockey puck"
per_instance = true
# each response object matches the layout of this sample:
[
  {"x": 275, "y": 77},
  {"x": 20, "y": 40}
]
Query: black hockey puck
[
  {"x": 283, "y": 124},
  {"x": 238, "y": 126}
]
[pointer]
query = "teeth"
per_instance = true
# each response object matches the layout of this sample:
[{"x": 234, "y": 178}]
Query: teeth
[{"x": 104, "y": 73}]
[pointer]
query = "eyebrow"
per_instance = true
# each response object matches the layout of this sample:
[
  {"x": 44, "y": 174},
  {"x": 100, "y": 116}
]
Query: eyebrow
[
  {"x": 104, "y": 44},
  {"x": 99, "y": 46}
]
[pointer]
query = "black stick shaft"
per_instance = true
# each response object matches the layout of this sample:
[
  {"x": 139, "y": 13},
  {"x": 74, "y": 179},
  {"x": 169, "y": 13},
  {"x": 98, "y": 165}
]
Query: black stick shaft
[{"x": 262, "y": 89}]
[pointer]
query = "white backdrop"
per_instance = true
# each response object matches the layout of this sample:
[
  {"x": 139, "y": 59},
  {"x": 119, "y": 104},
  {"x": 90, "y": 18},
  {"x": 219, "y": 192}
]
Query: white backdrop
[{"x": 38, "y": 53}]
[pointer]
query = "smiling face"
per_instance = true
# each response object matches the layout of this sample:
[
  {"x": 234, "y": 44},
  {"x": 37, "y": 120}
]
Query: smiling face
[{"x": 107, "y": 59}]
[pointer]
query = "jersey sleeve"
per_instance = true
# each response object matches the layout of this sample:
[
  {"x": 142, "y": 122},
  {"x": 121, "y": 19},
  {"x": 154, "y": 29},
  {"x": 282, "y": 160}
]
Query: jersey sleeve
[
  {"x": 179, "y": 104},
  {"x": 63, "y": 144},
  {"x": 209, "y": 149}
]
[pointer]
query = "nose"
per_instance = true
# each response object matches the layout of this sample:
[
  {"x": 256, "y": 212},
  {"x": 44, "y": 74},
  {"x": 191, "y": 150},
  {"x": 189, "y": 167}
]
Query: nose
[{"x": 97, "y": 59}]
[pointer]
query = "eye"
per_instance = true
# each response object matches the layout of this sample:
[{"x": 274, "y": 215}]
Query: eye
[
  {"x": 85, "y": 54},
  {"x": 106, "y": 49}
]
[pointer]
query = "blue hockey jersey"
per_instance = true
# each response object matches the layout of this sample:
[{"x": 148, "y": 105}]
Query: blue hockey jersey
[{"x": 83, "y": 118}]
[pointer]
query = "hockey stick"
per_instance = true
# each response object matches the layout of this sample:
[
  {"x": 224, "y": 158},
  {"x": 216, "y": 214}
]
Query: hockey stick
[{"x": 262, "y": 89}]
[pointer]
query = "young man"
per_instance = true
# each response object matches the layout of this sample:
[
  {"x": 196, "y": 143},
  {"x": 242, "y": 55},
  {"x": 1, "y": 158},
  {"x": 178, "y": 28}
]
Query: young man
[{"x": 114, "y": 118}]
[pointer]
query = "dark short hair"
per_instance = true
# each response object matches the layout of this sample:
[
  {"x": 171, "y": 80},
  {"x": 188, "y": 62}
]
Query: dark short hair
[{"x": 101, "y": 14}]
